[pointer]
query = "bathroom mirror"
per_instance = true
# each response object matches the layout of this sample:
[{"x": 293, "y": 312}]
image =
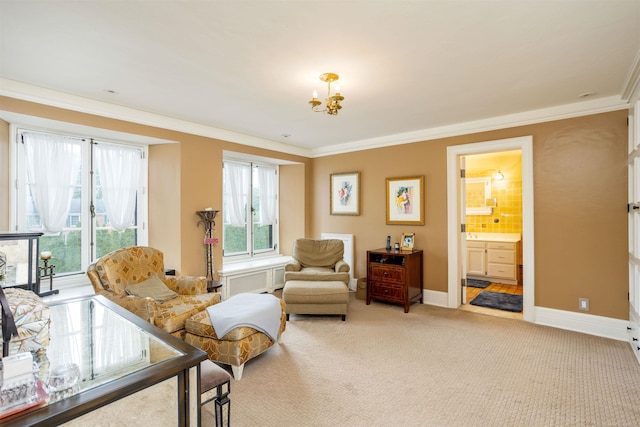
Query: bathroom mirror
[{"x": 478, "y": 191}]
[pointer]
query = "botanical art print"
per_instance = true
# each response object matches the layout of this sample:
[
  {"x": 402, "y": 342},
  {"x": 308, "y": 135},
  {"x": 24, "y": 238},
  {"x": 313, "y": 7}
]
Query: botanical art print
[
  {"x": 344, "y": 192},
  {"x": 405, "y": 200},
  {"x": 344, "y": 197}
]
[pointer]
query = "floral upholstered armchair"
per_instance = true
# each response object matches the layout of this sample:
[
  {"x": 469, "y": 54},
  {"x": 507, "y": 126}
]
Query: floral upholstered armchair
[{"x": 134, "y": 278}]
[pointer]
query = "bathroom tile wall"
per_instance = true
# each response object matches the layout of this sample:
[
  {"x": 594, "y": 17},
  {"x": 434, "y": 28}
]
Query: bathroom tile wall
[{"x": 507, "y": 215}]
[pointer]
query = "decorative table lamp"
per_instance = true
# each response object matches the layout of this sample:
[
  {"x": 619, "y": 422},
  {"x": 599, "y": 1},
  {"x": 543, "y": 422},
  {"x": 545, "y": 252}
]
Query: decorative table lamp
[{"x": 208, "y": 221}]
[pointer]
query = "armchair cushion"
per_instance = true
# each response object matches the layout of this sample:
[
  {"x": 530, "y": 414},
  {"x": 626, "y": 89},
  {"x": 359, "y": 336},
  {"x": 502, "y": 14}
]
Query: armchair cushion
[
  {"x": 312, "y": 274},
  {"x": 173, "y": 314},
  {"x": 128, "y": 266},
  {"x": 151, "y": 288}
]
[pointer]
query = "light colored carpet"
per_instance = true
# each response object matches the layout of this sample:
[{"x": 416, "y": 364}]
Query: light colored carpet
[
  {"x": 436, "y": 367},
  {"x": 430, "y": 367}
]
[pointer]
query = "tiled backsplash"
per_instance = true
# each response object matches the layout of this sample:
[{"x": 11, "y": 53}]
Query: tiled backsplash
[
  {"x": 508, "y": 211},
  {"x": 507, "y": 192}
]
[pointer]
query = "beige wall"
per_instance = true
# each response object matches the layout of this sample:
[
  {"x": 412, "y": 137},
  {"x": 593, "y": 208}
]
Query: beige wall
[
  {"x": 164, "y": 204},
  {"x": 370, "y": 228},
  {"x": 580, "y": 193},
  {"x": 293, "y": 217}
]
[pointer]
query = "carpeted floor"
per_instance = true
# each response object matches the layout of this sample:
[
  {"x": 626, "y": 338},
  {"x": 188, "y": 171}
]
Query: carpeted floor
[
  {"x": 430, "y": 367},
  {"x": 383, "y": 367}
]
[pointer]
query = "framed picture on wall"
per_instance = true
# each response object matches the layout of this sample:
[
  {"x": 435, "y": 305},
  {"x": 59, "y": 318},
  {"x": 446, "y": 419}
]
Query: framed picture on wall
[
  {"x": 405, "y": 200},
  {"x": 344, "y": 197}
]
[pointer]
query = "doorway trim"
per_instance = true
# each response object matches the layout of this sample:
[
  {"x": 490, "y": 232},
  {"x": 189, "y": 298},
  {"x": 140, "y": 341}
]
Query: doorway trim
[{"x": 525, "y": 144}]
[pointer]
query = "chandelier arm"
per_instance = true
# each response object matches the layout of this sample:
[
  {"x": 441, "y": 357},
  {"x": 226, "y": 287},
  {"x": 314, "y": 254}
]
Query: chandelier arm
[{"x": 332, "y": 103}]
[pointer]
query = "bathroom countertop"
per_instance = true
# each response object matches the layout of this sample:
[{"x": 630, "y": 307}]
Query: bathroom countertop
[{"x": 494, "y": 237}]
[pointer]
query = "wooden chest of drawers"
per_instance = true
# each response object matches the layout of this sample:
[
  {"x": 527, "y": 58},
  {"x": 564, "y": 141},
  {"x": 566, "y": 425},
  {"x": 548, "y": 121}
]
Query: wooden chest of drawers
[{"x": 394, "y": 276}]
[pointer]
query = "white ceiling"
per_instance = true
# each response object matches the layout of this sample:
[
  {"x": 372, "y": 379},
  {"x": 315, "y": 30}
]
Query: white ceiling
[{"x": 408, "y": 69}]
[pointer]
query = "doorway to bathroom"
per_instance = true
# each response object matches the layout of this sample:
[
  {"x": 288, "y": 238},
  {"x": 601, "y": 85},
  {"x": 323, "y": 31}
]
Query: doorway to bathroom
[
  {"x": 500, "y": 219},
  {"x": 493, "y": 218}
]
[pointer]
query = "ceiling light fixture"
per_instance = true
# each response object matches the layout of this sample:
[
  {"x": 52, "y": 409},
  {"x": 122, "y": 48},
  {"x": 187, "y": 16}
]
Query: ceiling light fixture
[
  {"x": 332, "y": 103},
  {"x": 499, "y": 176}
]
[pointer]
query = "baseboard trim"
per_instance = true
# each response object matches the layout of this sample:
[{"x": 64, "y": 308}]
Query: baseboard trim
[
  {"x": 441, "y": 299},
  {"x": 600, "y": 326}
]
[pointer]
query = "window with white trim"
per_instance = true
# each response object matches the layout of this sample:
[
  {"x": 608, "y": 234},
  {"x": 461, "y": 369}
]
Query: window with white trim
[
  {"x": 250, "y": 209},
  {"x": 87, "y": 196}
]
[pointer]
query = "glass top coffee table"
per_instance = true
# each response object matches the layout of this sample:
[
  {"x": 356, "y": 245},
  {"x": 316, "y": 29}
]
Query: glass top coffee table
[{"x": 99, "y": 353}]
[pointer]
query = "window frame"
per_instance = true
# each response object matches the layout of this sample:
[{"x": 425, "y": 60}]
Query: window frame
[
  {"x": 17, "y": 189},
  {"x": 251, "y": 253}
]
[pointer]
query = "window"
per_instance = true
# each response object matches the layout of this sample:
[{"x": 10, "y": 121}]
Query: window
[
  {"x": 250, "y": 211},
  {"x": 85, "y": 195}
]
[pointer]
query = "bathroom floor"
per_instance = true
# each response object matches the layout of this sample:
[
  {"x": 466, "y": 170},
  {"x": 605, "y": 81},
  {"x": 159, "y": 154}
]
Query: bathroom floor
[{"x": 494, "y": 287}]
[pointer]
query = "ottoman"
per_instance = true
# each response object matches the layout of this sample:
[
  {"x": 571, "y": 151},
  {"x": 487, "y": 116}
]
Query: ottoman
[
  {"x": 236, "y": 347},
  {"x": 316, "y": 297}
]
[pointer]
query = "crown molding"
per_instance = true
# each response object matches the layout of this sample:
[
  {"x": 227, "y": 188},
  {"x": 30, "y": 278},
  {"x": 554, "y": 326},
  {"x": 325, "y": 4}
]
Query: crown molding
[
  {"x": 24, "y": 121},
  {"x": 23, "y": 91},
  {"x": 584, "y": 108},
  {"x": 26, "y": 92},
  {"x": 631, "y": 88}
]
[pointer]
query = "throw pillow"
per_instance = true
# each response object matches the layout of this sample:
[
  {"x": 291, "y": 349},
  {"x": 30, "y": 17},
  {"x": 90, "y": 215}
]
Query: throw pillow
[{"x": 153, "y": 288}]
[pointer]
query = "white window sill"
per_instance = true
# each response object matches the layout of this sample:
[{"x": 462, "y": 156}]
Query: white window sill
[
  {"x": 253, "y": 264},
  {"x": 72, "y": 286}
]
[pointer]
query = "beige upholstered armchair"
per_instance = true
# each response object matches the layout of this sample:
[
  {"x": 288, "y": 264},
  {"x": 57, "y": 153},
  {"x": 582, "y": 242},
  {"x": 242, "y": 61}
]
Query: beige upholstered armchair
[
  {"x": 134, "y": 278},
  {"x": 317, "y": 280},
  {"x": 317, "y": 260}
]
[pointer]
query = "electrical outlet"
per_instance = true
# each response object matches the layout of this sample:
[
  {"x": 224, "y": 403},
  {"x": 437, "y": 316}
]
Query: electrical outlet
[{"x": 583, "y": 304}]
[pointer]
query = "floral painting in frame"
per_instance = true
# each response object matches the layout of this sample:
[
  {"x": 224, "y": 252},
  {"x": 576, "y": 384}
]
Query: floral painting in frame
[
  {"x": 405, "y": 200},
  {"x": 345, "y": 193}
]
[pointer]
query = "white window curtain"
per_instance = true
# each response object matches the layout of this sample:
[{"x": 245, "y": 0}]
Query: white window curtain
[
  {"x": 119, "y": 171},
  {"x": 52, "y": 172},
  {"x": 267, "y": 186},
  {"x": 236, "y": 178}
]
